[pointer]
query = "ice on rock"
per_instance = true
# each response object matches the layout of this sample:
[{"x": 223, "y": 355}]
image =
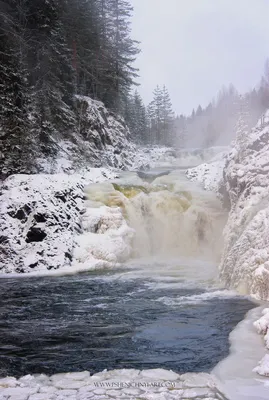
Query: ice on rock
[
  {"x": 263, "y": 367},
  {"x": 69, "y": 384},
  {"x": 15, "y": 391},
  {"x": 48, "y": 389},
  {"x": 77, "y": 376},
  {"x": 42, "y": 396},
  {"x": 262, "y": 324},
  {"x": 197, "y": 392},
  {"x": 8, "y": 382},
  {"x": 118, "y": 374},
  {"x": 201, "y": 380},
  {"x": 66, "y": 392},
  {"x": 131, "y": 392},
  {"x": 57, "y": 377},
  {"x": 159, "y": 374},
  {"x": 87, "y": 388},
  {"x": 209, "y": 175},
  {"x": 31, "y": 381},
  {"x": 17, "y": 397},
  {"x": 99, "y": 391}
]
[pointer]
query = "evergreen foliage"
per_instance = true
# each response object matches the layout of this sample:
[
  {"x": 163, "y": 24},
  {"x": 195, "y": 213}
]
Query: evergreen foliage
[{"x": 51, "y": 50}]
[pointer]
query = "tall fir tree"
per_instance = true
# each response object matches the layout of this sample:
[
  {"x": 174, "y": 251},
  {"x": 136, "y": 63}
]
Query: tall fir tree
[{"x": 167, "y": 118}]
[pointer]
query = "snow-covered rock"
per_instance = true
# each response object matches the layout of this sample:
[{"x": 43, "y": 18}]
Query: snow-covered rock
[
  {"x": 208, "y": 174},
  {"x": 262, "y": 327},
  {"x": 106, "y": 239},
  {"x": 41, "y": 217},
  {"x": 101, "y": 138},
  {"x": 167, "y": 157},
  {"x": 245, "y": 261}
]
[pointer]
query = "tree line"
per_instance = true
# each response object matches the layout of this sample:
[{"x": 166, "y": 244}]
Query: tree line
[
  {"x": 214, "y": 124},
  {"x": 51, "y": 50}
]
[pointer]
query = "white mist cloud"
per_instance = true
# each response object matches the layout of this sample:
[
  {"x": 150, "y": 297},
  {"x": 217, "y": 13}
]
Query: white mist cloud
[{"x": 196, "y": 46}]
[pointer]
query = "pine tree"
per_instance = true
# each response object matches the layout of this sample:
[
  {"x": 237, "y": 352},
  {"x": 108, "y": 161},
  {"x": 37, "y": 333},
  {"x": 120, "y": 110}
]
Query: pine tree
[
  {"x": 52, "y": 80},
  {"x": 167, "y": 117},
  {"x": 158, "y": 113},
  {"x": 136, "y": 118},
  {"x": 139, "y": 116},
  {"x": 150, "y": 116},
  {"x": 14, "y": 90},
  {"x": 181, "y": 131},
  {"x": 242, "y": 123},
  {"x": 52, "y": 50},
  {"x": 123, "y": 50},
  {"x": 160, "y": 118}
]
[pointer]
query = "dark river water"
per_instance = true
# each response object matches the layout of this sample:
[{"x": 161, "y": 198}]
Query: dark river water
[{"x": 92, "y": 322}]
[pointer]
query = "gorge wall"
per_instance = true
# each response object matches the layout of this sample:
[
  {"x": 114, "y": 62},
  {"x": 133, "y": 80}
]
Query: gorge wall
[
  {"x": 100, "y": 138},
  {"x": 245, "y": 188}
]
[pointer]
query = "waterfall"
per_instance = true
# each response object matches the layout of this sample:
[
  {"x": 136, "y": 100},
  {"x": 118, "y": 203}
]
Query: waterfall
[{"x": 168, "y": 217}]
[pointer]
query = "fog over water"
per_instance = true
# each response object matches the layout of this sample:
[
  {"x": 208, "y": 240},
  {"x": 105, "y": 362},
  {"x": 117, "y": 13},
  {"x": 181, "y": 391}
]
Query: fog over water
[{"x": 195, "y": 47}]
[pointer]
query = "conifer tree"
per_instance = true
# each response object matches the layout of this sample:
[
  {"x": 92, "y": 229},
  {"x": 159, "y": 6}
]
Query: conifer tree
[{"x": 167, "y": 118}]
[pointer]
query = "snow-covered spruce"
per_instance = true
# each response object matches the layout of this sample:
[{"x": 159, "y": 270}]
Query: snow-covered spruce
[
  {"x": 40, "y": 218},
  {"x": 245, "y": 261},
  {"x": 131, "y": 384}
]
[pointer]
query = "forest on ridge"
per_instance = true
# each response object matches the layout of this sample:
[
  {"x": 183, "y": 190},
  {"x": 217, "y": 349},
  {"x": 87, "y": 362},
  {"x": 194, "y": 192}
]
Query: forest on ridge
[{"x": 53, "y": 50}]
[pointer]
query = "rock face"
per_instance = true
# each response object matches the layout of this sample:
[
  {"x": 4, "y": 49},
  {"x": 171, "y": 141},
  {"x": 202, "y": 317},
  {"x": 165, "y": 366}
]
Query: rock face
[
  {"x": 40, "y": 217},
  {"x": 100, "y": 138},
  {"x": 106, "y": 137},
  {"x": 245, "y": 261}
]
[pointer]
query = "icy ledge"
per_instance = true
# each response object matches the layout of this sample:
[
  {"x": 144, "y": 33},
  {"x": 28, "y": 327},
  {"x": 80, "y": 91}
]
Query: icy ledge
[{"x": 127, "y": 384}]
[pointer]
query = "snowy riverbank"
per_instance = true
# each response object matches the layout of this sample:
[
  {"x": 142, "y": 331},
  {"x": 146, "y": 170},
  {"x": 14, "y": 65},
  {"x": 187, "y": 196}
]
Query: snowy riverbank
[{"x": 158, "y": 384}]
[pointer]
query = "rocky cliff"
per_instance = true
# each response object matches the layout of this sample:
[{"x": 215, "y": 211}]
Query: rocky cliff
[
  {"x": 245, "y": 260},
  {"x": 100, "y": 138}
]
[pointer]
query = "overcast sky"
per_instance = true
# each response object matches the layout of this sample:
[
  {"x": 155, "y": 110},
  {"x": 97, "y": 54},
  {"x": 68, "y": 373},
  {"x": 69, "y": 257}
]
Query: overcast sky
[{"x": 196, "y": 46}]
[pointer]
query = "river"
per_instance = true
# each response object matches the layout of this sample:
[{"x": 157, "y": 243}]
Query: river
[{"x": 162, "y": 307}]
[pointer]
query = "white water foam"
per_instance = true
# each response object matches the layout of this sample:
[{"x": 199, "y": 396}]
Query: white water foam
[{"x": 197, "y": 298}]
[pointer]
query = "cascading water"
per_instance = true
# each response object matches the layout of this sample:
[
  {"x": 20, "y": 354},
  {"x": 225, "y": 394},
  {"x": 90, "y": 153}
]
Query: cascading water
[
  {"x": 153, "y": 298},
  {"x": 170, "y": 217}
]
